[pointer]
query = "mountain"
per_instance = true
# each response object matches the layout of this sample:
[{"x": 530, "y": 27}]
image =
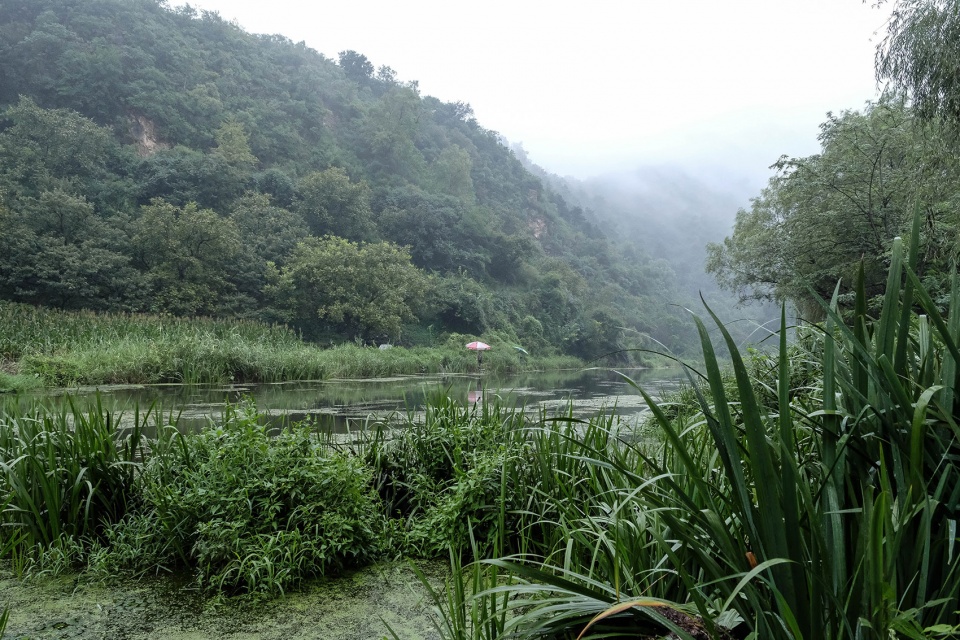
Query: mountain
[{"x": 165, "y": 160}]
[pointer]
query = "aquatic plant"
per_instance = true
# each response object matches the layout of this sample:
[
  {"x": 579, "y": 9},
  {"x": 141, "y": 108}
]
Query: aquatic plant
[
  {"x": 65, "y": 472},
  {"x": 827, "y": 510},
  {"x": 443, "y": 475},
  {"x": 249, "y": 510}
]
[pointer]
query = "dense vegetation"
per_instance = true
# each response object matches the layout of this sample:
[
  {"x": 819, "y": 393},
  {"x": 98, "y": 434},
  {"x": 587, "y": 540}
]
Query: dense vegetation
[
  {"x": 164, "y": 160},
  {"x": 812, "y": 492},
  {"x": 809, "y": 493},
  {"x": 824, "y": 216},
  {"x": 45, "y": 347}
]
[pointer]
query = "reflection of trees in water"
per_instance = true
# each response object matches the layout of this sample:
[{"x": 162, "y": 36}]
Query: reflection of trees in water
[{"x": 330, "y": 403}]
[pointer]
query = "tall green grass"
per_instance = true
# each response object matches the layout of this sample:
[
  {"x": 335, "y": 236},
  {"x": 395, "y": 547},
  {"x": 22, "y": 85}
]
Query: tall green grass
[
  {"x": 827, "y": 510},
  {"x": 61, "y": 348},
  {"x": 66, "y": 473}
]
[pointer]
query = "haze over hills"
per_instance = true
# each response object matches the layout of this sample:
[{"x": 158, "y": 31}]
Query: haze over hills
[
  {"x": 671, "y": 213},
  {"x": 166, "y": 160}
]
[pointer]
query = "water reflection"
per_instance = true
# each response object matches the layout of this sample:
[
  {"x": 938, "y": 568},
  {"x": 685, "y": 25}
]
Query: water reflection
[{"x": 340, "y": 404}]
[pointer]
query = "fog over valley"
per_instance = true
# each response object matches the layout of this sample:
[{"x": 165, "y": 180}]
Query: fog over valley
[
  {"x": 662, "y": 110},
  {"x": 555, "y": 178}
]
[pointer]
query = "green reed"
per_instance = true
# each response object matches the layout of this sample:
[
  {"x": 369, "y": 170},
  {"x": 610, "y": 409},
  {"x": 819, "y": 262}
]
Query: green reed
[
  {"x": 59, "y": 348},
  {"x": 66, "y": 472},
  {"x": 820, "y": 500}
]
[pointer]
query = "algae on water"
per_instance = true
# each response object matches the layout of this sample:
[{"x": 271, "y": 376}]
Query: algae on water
[{"x": 352, "y": 607}]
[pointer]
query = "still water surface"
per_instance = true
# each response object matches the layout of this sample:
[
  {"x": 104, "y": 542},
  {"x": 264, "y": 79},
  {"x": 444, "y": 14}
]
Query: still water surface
[{"x": 340, "y": 404}]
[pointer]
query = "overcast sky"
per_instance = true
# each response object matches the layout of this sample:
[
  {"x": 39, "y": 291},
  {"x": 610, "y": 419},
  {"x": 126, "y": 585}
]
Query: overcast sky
[{"x": 601, "y": 86}]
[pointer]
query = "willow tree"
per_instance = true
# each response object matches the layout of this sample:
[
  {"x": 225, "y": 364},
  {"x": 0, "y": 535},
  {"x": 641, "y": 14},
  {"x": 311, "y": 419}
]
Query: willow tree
[
  {"x": 920, "y": 56},
  {"x": 824, "y": 215}
]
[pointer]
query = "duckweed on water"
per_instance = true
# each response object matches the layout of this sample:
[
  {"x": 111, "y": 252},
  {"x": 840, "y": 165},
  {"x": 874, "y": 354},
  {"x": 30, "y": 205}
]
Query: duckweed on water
[{"x": 348, "y": 608}]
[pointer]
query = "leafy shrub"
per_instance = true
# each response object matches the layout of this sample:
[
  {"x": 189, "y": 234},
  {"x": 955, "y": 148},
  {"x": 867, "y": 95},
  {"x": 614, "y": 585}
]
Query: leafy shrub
[
  {"x": 445, "y": 475},
  {"x": 255, "y": 511}
]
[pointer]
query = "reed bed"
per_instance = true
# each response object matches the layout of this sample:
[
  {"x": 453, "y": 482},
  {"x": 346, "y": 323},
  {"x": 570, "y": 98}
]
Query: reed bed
[
  {"x": 58, "y": 348},
  {"x": 819, "y": 500}
]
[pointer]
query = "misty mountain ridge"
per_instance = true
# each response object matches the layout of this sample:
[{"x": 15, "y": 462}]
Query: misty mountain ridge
[{"x": 128, "y": 128}]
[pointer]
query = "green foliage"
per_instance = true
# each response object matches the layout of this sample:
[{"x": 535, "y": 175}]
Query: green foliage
[
  {"x": 55, "y": 348},
  {"x": 255, "y": 512},
  {"x": 822, "y": 214},
  {"x": 918, "y": 53},
  {"x": 56, "y": 250},
  {"x": 330, "y": 202},
  {"x": 448, "y": 475},
  {"x": 42, "y": 149},
  {"x": 360, "y": 289},
  {"x": 65, "y": 475},
  {"x": 823, "y": 507},
  {"x": 187, "y": 255},
  {"x": 158, "y": 133},
  {"x": 233, "y": 146}
]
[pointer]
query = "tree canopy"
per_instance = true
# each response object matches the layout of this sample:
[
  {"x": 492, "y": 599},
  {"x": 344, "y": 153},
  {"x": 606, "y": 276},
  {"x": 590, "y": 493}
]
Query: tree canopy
[
  {"x": 824, "y": 217},
  {"x": 365, "y": 290},
  {"x": 920, "y": 56}
]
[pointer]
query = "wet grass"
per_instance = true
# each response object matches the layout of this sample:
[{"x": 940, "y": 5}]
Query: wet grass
[{"x": 58, "y": 348}]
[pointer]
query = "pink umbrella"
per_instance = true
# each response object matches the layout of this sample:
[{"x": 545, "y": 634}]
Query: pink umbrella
[{"x": 478, "y": 346}]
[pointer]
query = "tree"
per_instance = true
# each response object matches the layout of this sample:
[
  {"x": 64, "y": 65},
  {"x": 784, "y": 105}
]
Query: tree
[
  {"x": 451, "y": 173},
  {"x": 233, "y": 145},
  {"x": 390, "y": 133},
  {"x": 267, "y": 232},
  {"x": 182, "y": 175},
  {"x": 267, "y": 236},
  {"x": 44, "y": 149},
  {"x": 364, "y": 290},
  {"x": 824, "y": 215},
  {"x": 332, "y": 204},
  {"x": 429, "y": 225},
  {"x": 189, "y": 256},
  {"x": 356, "y": 66},
  {"x": 55, "y": 250},
  {"x": 921, "y": 54}
]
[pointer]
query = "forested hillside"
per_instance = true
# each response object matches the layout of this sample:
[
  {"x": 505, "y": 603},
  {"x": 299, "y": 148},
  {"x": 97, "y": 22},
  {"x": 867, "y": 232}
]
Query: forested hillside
[{"x": 164, "y": 160}]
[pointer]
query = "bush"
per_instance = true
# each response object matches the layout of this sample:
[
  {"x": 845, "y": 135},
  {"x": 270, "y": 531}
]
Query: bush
[
  {"x": 445, "y": 475},
  {"x": 256, "y": 512}
]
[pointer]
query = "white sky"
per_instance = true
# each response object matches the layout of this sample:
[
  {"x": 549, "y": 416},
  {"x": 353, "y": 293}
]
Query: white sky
[{"x": 601, "y": 86}]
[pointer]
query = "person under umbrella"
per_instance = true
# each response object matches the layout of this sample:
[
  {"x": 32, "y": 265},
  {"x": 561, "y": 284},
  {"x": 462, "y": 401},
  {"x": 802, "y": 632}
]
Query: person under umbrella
[{"x": 479, "y": 347}]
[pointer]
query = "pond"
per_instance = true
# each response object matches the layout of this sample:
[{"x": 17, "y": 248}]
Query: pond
[
  {"x": 351, "y": 607},
  {"x": 340, "y": 405}
]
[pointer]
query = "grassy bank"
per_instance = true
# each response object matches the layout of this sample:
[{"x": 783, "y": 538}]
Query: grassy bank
[{"x": 55, "y": 348}]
